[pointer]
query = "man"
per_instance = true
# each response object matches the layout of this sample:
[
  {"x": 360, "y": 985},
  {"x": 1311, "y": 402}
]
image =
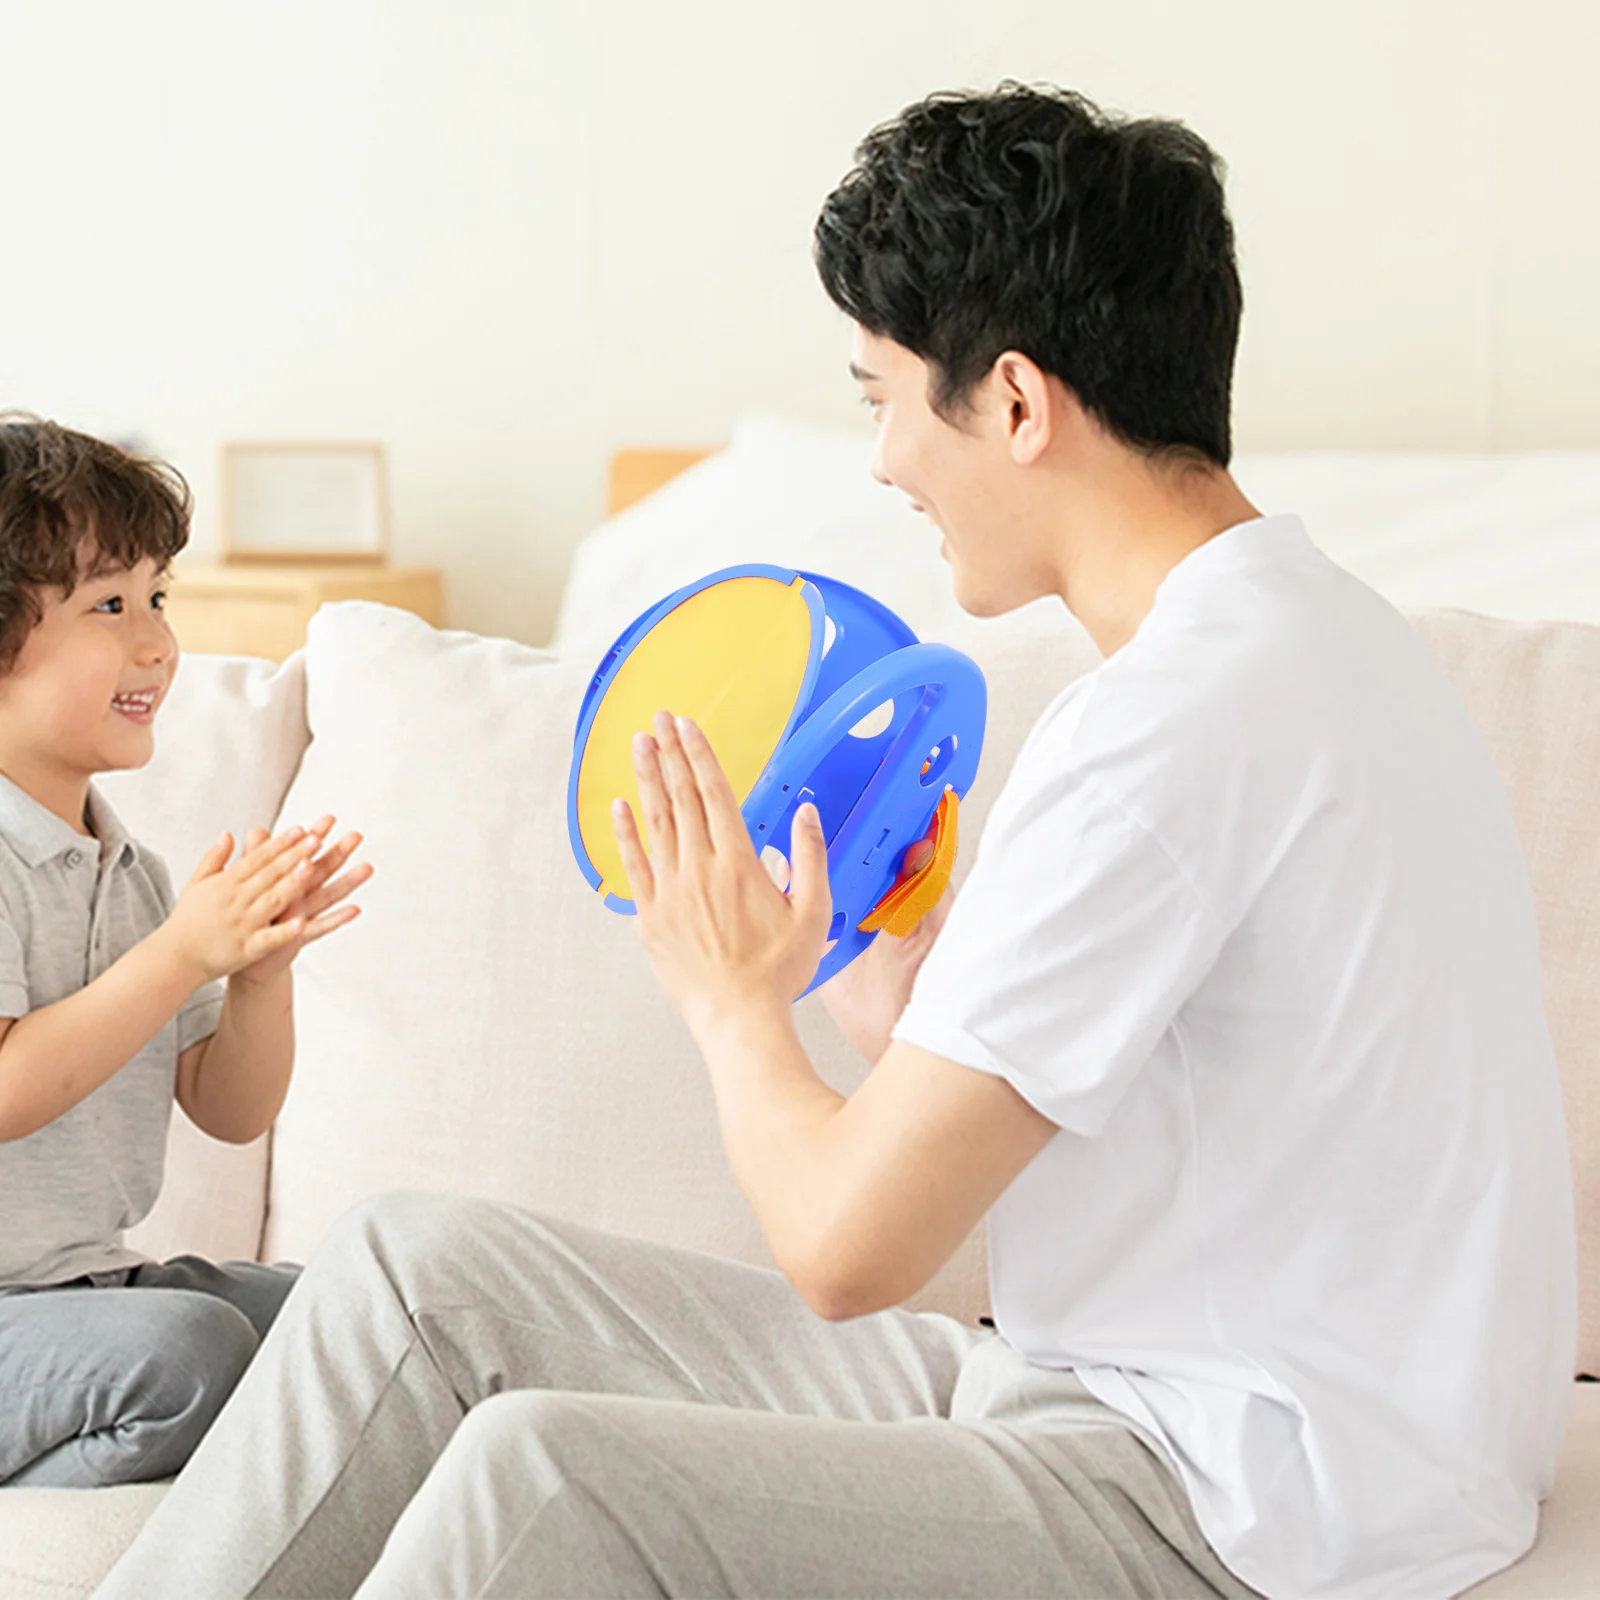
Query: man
[{"x": 1233, "y": 1033}]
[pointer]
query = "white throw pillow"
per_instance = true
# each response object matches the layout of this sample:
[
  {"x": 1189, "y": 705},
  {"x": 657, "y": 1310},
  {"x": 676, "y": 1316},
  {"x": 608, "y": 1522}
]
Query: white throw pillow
[
  {"x": 783, "y": 493},
  {"x": 487, "y": 1027},
  {"x": 1512, "y": 533},
  {"x": 228, "y": 741}
]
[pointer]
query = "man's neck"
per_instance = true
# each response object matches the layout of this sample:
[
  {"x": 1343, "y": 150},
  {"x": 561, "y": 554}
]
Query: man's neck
[{"x": 1128, "y": 531}]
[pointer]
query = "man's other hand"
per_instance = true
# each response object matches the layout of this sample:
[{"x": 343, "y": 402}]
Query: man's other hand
[{"x": 866, "y": 998}]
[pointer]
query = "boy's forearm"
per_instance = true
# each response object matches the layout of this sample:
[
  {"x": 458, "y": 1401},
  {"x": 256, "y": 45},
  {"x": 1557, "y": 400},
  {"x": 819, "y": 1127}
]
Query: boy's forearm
[
  {"x": 57, "y": 1056},
  {"x": 243, "y": 1075}
]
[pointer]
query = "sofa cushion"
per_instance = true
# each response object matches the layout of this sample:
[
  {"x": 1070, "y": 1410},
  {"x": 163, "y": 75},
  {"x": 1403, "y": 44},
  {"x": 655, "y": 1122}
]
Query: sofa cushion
[
  {"x": 487, "y": 1026},
  {"x": 57, "y": 1544},
  {"x": 228, "y": 741},
  {"x": 1564, "y": 1563},
  {"x": 1535, "y": 689}
]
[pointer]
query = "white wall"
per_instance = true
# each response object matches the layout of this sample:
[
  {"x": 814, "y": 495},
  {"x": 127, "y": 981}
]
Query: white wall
[{"x": 506, "y": 236}]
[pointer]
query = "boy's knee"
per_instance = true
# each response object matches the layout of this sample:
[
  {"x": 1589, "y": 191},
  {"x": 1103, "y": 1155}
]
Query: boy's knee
[
  {"x": 187, "y": 1379},
  {"x": 208, "y": 1350}
]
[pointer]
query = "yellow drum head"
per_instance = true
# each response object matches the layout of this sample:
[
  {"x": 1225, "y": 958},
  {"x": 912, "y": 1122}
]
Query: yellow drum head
[{"x": 735, "y": 656}]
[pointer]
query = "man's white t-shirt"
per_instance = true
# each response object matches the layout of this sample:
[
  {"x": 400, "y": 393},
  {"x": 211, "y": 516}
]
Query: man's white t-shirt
[{"x": 1251, "y": 923}]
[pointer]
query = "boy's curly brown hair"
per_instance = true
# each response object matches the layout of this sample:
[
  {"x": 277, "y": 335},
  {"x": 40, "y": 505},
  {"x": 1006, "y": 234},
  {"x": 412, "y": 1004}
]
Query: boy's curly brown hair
[{"x": 71, "y": 508}]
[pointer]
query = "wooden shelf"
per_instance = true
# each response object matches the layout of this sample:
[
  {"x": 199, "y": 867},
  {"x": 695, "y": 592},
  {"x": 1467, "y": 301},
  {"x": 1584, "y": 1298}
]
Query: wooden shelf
[{"x": 250, "y": 610}]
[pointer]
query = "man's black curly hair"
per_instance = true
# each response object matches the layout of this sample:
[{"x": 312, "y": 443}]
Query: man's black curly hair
[{"x": 1028, "y": 219}]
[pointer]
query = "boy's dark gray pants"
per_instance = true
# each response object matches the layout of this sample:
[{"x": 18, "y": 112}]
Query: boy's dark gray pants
[
  {"x": 462, "y": 1399},
  {"x": 116, "y": 1381}
]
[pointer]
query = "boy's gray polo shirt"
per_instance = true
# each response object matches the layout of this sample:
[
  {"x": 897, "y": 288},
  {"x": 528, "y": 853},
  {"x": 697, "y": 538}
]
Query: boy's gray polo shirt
[{"x": 69, "y": 907}]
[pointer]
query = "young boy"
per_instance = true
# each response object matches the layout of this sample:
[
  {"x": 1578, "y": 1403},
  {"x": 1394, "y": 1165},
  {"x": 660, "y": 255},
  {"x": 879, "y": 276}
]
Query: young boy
[{"x": 109, "y": 999}]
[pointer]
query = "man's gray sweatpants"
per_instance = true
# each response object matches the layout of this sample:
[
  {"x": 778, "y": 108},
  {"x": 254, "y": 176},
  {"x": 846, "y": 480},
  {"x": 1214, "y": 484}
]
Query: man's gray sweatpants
[{"x": 461, "y": 1399}]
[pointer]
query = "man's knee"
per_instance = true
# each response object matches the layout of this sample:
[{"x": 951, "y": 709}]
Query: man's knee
[
  {"x": 425, "y": 1244},
  {"x": 389, "y": 1231},
  {"x": 545, "y": 1438}
]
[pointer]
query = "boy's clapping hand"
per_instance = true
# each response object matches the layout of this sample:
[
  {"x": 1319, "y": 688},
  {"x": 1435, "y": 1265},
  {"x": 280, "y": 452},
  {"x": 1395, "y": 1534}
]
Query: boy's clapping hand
[{"x": 252, "y": 917}]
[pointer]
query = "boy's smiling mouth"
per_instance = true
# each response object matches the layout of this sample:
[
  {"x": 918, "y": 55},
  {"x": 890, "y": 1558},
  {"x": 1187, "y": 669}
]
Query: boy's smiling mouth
[{"x": 139, "y": 705}]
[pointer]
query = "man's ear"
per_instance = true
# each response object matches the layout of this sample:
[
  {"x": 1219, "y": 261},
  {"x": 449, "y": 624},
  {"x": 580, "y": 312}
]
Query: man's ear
[{"x": 1030, "y": 405}]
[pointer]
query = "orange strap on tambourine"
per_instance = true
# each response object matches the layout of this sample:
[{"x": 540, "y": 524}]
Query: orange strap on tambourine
[{"x": 908, "y": 903}]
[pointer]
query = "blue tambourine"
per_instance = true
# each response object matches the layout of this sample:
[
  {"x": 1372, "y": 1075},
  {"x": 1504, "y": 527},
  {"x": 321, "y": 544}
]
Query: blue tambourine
[{"x": 806, "y": 689}]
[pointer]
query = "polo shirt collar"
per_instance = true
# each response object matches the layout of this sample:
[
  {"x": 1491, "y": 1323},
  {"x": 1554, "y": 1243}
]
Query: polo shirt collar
[
  {"x": 38, "y": 835},
  {"x": 118, "y": 848}
]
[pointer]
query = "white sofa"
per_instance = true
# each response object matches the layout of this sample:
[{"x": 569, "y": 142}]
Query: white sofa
[{"x": 487, "y": 1027}]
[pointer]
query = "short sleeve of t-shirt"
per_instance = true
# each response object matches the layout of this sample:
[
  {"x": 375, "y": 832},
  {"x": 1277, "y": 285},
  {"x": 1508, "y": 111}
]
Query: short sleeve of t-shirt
[
  {"x": 13, "y": 970},
  {"x": 1069, "y": 949},
  {"x": 200, "y": 1013}
]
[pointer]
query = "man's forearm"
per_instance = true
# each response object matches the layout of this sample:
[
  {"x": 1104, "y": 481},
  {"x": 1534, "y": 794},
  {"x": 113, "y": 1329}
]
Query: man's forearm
[
  {"x": 243, "y": 1075},
  {"x": 779, "y": 1127}
]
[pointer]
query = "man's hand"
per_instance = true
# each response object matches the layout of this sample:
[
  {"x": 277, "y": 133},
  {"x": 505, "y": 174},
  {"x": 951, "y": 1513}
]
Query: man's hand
[
  {"x": 865, "y": 999},
  {"x": 719, "y": 932},
  {"x": 262, "y": 908}
]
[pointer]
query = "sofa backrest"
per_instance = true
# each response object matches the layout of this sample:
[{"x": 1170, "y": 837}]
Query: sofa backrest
[
  {"x": 487, "y": 1027},
  {"x": 1534, "y": 688}
]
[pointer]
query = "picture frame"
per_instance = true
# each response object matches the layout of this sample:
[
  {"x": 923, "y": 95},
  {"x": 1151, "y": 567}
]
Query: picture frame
[{"x": 304, "y": 502}]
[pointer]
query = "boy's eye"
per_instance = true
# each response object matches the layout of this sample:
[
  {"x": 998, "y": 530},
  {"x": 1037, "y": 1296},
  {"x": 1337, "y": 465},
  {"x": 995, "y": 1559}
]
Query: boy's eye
[
  {"x": 158, "y": 601},
  {"x": 112, "y": 604}
]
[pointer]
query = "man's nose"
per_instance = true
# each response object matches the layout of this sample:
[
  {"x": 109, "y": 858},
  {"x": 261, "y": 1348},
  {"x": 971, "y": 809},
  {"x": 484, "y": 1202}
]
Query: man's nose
[{"x": 878, "y": 471}]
